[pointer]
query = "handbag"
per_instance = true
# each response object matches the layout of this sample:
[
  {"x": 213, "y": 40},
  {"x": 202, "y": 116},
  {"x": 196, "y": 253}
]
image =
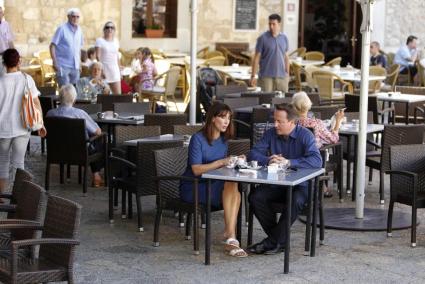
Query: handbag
[{"x": 31, "y": 115}]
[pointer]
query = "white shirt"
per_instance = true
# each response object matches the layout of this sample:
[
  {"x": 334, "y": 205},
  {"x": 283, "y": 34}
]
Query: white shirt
[
  {"x": 6, "y": 35},
  {"x": 109, "y": 58},
  {"x": 12, "y": 90}
]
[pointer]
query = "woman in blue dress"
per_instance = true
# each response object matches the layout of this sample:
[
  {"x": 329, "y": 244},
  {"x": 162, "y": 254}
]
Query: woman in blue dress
[{"x": 208, "y": 151}]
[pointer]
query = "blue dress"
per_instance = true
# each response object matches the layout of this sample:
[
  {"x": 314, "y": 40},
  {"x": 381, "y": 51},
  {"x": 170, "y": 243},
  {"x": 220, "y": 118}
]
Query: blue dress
[{"x": 200, "y": 152}]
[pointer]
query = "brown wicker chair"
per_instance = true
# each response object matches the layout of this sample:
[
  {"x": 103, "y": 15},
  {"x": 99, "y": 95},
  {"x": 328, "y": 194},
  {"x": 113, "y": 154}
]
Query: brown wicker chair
[
  {"x": 67, "y": 144},
  {"x": 135, "y": 178},
  {"x": 186, "y": 129},
  {"x": 165, "y": 120},
  {"x": 314, "y": 55},
  {"x": 17, "y": 190},
  {"x": 392, "y": 76},
  {"x": 30, "y": 209},
  {"x": 299, "y": 52},
  {"x": 57, "y": 247},
  {"x": 407, "y": 182},
  {"x": 326, "y": 86},
  {"x": 107, "y": 101},
  {"x": 333, "y": 62},
  {"x": 393, "y": 135}
]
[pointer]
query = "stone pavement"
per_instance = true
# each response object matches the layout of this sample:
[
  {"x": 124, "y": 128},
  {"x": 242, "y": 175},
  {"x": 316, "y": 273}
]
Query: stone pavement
[{"x": 119, "y": 254}]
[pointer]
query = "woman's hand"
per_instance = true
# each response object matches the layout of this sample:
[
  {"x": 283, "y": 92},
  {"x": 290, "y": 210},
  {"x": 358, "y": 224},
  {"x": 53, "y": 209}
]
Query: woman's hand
[
  {"x": 339, "y": 116},
  {"x": 42, "y": 132}
]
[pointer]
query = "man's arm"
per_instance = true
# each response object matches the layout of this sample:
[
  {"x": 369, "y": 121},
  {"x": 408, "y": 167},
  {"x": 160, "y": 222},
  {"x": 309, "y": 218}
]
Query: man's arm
[
  {"x": 52, "y": 49},
  {"x": 312, "y": 157},
  {"x": 286, "y": 63},
  {"x": 260, "y": 150},
  {"x": 254, "y": 70}
]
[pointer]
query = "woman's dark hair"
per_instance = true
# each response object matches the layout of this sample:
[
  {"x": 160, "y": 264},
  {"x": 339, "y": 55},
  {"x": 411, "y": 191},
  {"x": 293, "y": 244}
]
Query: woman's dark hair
[
  {"x": 217, "y": 110},
  {"x": 145, "y": 51},
  {"x": 11, "y": 58}
]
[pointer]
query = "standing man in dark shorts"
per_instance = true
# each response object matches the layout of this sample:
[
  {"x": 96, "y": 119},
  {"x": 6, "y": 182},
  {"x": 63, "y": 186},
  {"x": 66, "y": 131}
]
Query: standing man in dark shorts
[{"x": 272, "y": 58}]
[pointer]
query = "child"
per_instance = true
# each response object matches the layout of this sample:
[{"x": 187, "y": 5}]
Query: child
[{"x": 147, "y": 64}]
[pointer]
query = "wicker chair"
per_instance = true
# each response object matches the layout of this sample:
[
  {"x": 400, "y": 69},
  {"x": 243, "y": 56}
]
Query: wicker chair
[
  {"x": 136, "y": 108},
  {"x": 135, "y": 178},
  {"x": 416, "y": 110},
  {"x": 30, "y": 209},
  {"x": 299, "y": 52},
  {"x": 57, "y": 247},
  {"x": 297, "y": 70},
  {"x": 393, "y": 135},
  {"x": 326, "y": 86},
  {"x": 241, "y": 102},
  {"x": 202, "y": 52},
  {"x": 130, "y": 132},
  {"x": 17, "y": 190},
  {"x": 375, "y": 86},
  {"x": 407, "y": 179},
  {"x": 214, "y": 53},
  {"x": 314, "y": 55},
  {"x": 47, "y": 91},
  {"x": 233, "y": 58},
  {"x": 352, "y": 102},
  {"x": 107, "y": 101},
  {"x": 229, "y": 80},
  {"x": 392, "y": 75},
  {"x": 214, "y": 61},
  {"x": 165, "y": 120},
  {"x": 157, "y": 93},
  {"x": 67, "y": 144},
  {"x": 333, "y": 62},
  {"x": 186, "y": 129},
  {"x": 89, "y": 108}
]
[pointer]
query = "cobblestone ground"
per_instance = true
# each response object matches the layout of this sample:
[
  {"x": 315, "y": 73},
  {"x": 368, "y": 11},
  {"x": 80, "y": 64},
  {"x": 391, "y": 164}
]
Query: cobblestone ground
[{"x": 119, "y": 254}]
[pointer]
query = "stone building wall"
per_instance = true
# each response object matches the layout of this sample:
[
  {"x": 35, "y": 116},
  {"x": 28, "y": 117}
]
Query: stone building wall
[{"x": 35, "y": 21}]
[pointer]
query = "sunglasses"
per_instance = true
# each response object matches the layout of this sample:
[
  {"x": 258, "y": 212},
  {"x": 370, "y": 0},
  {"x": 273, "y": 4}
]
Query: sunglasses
[
  {"x": 75, "y": 16},
  {"x": 109, "y": 27}
]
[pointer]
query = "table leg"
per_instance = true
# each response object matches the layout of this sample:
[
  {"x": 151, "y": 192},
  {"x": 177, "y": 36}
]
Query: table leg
[
  {"x": 208, "y": 226},
  {"x": 348, "y": 164},
  {"x": 406, "y": 119},
  {"x": 308, "y": 222},
  {"x": 353, "y": 192},
  {"x": 288, "y": 229},
  {"x": 314, "y": 229}
]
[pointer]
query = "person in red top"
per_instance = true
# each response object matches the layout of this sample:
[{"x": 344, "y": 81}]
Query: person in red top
[{"x": 322, "y": 134}]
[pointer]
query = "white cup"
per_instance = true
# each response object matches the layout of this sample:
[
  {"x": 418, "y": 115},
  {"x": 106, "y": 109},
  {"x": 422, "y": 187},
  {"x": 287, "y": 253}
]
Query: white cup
[
  {"x": 241, "y": 161},
  {"x": 254, "y": 164},
  {"x": 235, "y": 65},
  {"x": 337, "y": 67},
  {"x": 272, "y": 168}
]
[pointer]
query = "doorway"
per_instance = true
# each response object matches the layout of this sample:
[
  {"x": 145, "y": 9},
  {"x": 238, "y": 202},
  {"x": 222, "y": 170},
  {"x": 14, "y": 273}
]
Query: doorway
[{"x": 332, "y": 27}]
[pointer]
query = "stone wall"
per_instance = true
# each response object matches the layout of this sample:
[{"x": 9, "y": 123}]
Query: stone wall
[
  {"x": 403, "y": 18},
  {"x": 35, "y": 21}
]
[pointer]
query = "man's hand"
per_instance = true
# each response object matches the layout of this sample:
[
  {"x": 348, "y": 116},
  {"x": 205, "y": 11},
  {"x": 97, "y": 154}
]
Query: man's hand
[
  {"x": 253, "y": 82},
  {"x": 276, "y": 159}
]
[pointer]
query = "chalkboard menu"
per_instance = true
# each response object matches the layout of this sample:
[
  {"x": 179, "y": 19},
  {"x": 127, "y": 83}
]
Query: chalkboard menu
[{"x": 245, "y": 14}]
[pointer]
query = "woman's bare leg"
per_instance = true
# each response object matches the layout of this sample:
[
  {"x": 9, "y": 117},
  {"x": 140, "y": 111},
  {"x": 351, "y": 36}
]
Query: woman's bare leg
[
  {"x": 115, "y": 88},
  {"x": 231, "y": 203}
]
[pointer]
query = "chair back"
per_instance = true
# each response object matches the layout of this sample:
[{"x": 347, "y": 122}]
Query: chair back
[
  {"x": 215, "y": 61},
  {"x": 286, "y": 100},
  {"x": 107, "y": 101},
  {"x": 261, "y": 114},
  {"x": 212, "y": 54},
  {"x": 400, "y": 108},
  {"x": 222, "y": 90},
  {"x": 311, "y": 83},
  {"x": 165, "y": 121},
  {"x": 186, "y": 129},
  {"x": 202, "y": 52},
  {"x": 62, "y": 221},
  {"x": 46, "y": 103},
  {"x": 85, "y": 71},
  {"x": 17, "y": 189},
  {"x": 237, "y": 147},
  {"x": 263, "y": 97},
  {"x": 299, "y": 52},
  {"x": 324, "y": 112},
  {"x": 258, "y": 130},
  {"x": 89, "y": 108},
  {"x": 297, "y": 70},
  {"x": 392, "y": 75},
  {"x": 146, "y": 168},
  {"x": 314, "y": 55},
  {"x": 170, "y": 162},
  {"x": 241, "y": 102},
  {"x": 66, "y": 140},
  {"x": 333, "y": 62},
  {"x": 127, "y": 56},
  {"x": 136, "y": 108},
  {"x": 375, "y": 85},
  {"x": 325, "y": 83},
  {"x": 47, "y": 91},
  {"x": 171, "y": 81},
  {"x": 130, "y": 132},
  {"x": 399, "y": 135},
  {"x": 30, "y": 205},
  {"x": 352, "y": 102}
]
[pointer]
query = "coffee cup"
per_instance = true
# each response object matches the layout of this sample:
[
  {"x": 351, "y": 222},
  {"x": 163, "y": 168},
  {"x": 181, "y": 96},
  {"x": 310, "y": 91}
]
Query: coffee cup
[
  {"x": 272, "y": 168},
  {"x": 241, "y": 161},
  {"x": 254, "y": 164},
  {"x": 100, "y": 115}
]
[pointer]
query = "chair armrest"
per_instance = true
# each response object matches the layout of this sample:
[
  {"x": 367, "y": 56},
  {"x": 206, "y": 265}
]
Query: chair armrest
[
  {"x": 242, "y": 123},
  {"x": 9, "y": 208},
  {"x": 373, "y": 143},
  {"x": 16, "y": 224},
  {"x": 117, "y": 152},
  {"x": 97, "y": 137},
  {"x": 123, "y": 162},
  {"x": 402, "y": 173},
  {"x": 6, "y": 195},
  {"x": 30, "y": 242},
  {"x": 330, "y": 146}
]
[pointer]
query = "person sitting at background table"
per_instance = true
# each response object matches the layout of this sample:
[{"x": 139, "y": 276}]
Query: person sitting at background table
[
  {"x": 148, "y": 69},
  {"x": 94, "y": 84},
  {"x": 290, "y": 144},
  {"x": 406, "y": 57},
  {"x": 376, "y": 57},
  {"x": 208, "y": 151},
  {"x": 67, "y": 97},
  {"x": 322, "y": 134},
  {"x": 88, "y": 57}
]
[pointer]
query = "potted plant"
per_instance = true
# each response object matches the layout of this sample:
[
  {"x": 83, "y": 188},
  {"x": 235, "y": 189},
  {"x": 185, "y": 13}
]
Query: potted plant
[{"x": 154, "y": 31}]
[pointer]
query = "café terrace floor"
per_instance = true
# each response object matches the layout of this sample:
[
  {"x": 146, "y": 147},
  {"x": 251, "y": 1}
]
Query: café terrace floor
[{"x": 119, "y": 254}]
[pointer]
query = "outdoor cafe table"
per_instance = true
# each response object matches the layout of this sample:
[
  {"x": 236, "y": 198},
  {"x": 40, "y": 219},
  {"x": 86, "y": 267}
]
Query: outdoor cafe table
[
  {"x": 350, "y": 74},
  {"x": 237, "y": 72},
  {"x": 159, "y": 139},
  {"x": 305, "y": 63},
  {"x": 401, "y": 98},
  {"x": 289, "y": 179},
  {"x": 350, "y": 131}
]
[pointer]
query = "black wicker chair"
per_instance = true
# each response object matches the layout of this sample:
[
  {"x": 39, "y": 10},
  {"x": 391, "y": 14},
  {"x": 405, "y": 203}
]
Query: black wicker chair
[
  {"x": 136, "y": 108},
  {"x": 393, "y": 135},
  {"x": 416, "y": 110},
  {"x": 165, "y": 120},
  {"x": 17, "y": 190},
  {"x": 67, "y": 144},
  {"x": 57, "y": 247},
  {"x": 89, "y": 108},
  {"x": 135, "y": 178},
  {"x": 407, "y": 179},
  {"x": 107, "y": 101},
  {"x": 241, "y": 102},
  {"x": 352, "y": 102},
  {"x": 186, "y": 129}
]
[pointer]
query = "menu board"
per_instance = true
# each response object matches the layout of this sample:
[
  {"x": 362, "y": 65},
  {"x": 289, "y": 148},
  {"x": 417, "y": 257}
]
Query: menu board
[{"x": 245, "y": 15}]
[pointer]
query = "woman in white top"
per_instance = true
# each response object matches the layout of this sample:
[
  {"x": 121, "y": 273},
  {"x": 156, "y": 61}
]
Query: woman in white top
[
  {"x": 13, "y": 136},
  {"x": 107, "y": 54}
]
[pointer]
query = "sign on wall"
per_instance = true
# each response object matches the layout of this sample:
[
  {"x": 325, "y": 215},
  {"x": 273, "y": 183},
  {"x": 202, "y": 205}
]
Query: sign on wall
[{"x": 245, "y": 15}]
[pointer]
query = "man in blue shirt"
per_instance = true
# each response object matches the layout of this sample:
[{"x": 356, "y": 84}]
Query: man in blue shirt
[
  {"x": 406, "y": 57},
  {"x": 65, "y": 49},
  {"x": 271, "y": 55},
  {"x": 289, "y": 143}
]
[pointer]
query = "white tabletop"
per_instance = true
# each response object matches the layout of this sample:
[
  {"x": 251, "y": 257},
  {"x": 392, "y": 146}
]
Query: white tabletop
[
  {"x": 237, "y": 72},
  {"x": 398, "y": 97},
  {"x": 350, "y": 129},
  {"x": 183, "y": 60},
  {"x": 292, "y": 178},
  {"x": 124, "y": 118},
  {"x": 174, "y": 54},
  {"x": 304, "y": 62},
  {"x": 348, "y": 74},
  {"x": 159, "y": 139}
]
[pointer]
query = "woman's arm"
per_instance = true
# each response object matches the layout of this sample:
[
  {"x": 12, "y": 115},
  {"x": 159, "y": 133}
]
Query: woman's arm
[{"x": 203, "y": 168}]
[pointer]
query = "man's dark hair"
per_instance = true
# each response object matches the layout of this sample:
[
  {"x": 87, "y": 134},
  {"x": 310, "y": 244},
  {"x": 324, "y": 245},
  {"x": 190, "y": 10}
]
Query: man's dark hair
[
  {"x": 410, "y": 39},
  {"x": 275, "y": 17},
  {"x": 291, "y": 113}
]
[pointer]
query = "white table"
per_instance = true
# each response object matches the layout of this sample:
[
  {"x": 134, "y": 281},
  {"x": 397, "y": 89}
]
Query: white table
[
  {"x": 237, "y": 72},
  {"x": 175, "y": 54},
  {"x": 159, "y": 139},
  {"x": 396, "y": 97},
  {"x": 305, "y": 63},
  {"x": 348, "y": 74},
  {"x": 290, "y": 179}
]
